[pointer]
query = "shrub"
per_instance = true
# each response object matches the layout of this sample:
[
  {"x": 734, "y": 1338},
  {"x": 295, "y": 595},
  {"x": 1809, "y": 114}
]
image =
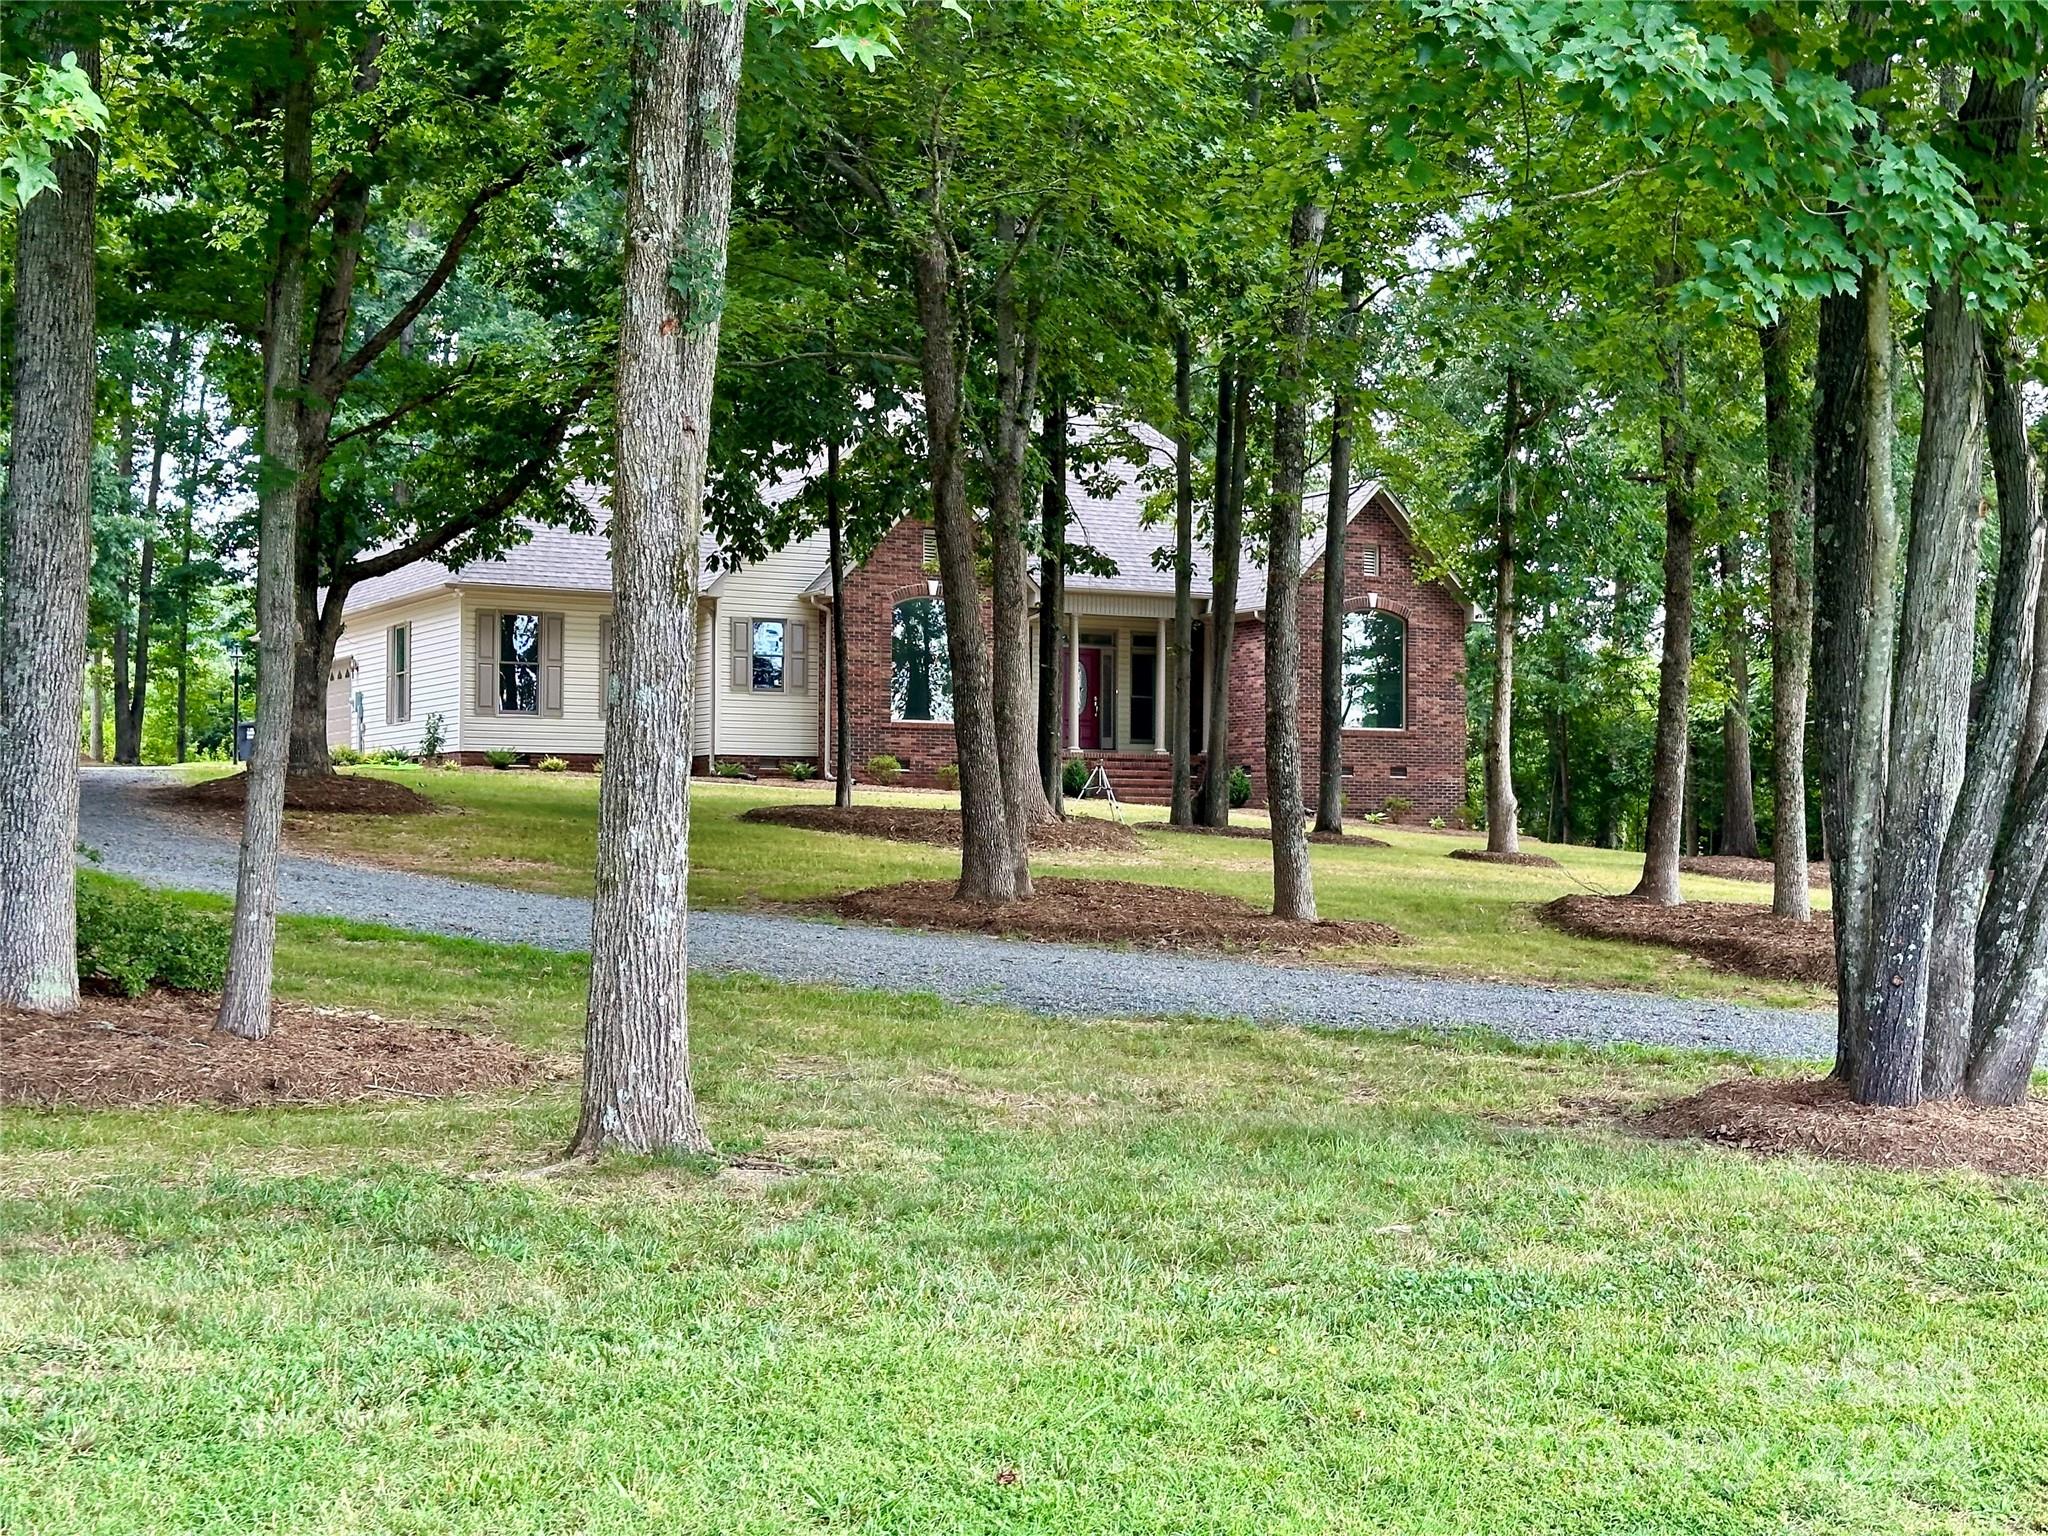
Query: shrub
[
  {"x": 131, "y": 938},
  {"x": 450, "y": 765},
  {"x": 498, "y": 757},
  {"x": 344, "y": 756},
  {"x": 1074, "y": 776},
  {"x": 949, "y": 776},
  {"x": 731, "y": 770},
  {"x": 1437, "y": 823},
  {"x": 553, "y": 765},
  {"x": 390, "y": 757},
  {"x": 1376, "y": 818},
  {"x": 1397, "y": 805},
  {"x": 801, "y": 771},
  {"x": 1240, "y": 786},
  {"x": 884, "y": 769},
  {"x": 434, "y": 738}
]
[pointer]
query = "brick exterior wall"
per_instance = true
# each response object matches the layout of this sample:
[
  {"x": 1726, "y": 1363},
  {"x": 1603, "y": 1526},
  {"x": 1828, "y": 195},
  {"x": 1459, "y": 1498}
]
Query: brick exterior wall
[
  {"x": 894, "y": 572},
  {"x": 1428, "y": 752},
  {"x": 1424, "y": 762}
]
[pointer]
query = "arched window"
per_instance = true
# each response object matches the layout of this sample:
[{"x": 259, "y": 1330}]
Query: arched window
[
  {"x": 920, "y": 667},
  {"x": 1375, "y": 671}
]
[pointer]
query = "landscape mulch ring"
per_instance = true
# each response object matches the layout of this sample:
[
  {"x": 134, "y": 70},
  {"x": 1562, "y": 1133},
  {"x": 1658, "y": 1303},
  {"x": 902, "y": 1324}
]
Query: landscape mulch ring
[
  {"x": 939, "y": 827},
  {"x": 344, "y": 794},
  {"x": 1344, "y": 839},
  {"x": 1727, "y": 866},
  {"x": 1775, "y": 1116},
  {"x": 1110, "y": 912},
  {"x": 1737, "y": 936},
  {"x": 1526, "y": 860},
  {"x": 160, "y": 1049}
]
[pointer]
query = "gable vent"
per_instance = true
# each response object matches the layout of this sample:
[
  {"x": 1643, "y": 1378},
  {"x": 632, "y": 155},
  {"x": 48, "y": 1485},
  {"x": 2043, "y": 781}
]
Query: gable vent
[
  {"x": 1369, "y": 559},
  {"x": 931, "y": 549}
]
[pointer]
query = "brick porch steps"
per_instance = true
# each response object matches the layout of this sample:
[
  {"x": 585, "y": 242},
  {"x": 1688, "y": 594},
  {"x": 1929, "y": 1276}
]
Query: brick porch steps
[{"x": 1142, "y": 778}]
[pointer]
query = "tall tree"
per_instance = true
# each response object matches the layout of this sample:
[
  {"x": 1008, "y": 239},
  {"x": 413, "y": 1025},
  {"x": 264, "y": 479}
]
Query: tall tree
[
  {"x": 43, "y": 583},
  {"x": 1336, "y": 561},
  {"x": 245, "y": 998},
  {"x": 1181, "y": 661},
  {"x": 1738, "y": 788},
  {"x": 637, "y": 1093},
  {"x": 1226, "y": 522},
  {"x": 1791, "y": 579}
]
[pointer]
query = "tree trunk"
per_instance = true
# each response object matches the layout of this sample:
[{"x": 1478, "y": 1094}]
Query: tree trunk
[
  {"x": 188, "y": 493},
  {"x": 842, "y": 723},
  {"x": 318, "y": 625},
  {"x": 1179, "y": 715},
  {"x": 1791, "y": 625},
  {"x": 98, "y": 686},
  {"x": 1336, "y": 569},
  {"x": 988, "y": 873},
  {"x": 1016, "y": 691},
  {"x": 637, "y": 1093},
  {"x": 1738, "y": 781},
  {"x": 1294, "y": 893},
  {"x": 128, "y": 729},
  {"x": 1052, "y": 598},
  {"x": 1664, "y": 829},
  {"x": 245, "y": 999},
  {"x": 48, "y": 563},
  {"x": 1233, "y": 426},
  {"x": 1930, "y": 706},
  {"x": 1503, "y": 815}
]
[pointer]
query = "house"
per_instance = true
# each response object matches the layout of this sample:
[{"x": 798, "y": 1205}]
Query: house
[{"x": 508, "y": 653}]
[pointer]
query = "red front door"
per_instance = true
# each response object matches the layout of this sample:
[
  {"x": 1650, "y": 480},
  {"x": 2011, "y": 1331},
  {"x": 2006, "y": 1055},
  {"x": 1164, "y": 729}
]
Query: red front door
[{"x": 1091, "y": 698}]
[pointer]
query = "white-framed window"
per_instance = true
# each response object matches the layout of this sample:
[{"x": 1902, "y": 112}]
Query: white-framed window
[
  {"x": 770, "y": 656},
  {"x": 1375, "y": 671},
  {"x": 398, "y": 674},
  {"x": 519, "y": 663},
  {"x": 765, "y": 650},
  {"x": 920, "y": 666}
]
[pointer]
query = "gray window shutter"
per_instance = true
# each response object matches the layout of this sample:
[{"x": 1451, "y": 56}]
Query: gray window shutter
[
  {"x": 796, "y": 656},
  {"x": 391, "y": 675},
  {"x": 742, "y": 655},
  {"x": 606, "y": 667},
  {"x": 551, "y": 665},
  {"x": 486, "y": 663}
]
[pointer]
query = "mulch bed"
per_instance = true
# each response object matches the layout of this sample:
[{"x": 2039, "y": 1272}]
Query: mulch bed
[
  {"x": 1774, "y": 1116},
  {"x": 122, "y": 1052},
  {"x": 1726, "y": 866},
  {"x": 343, "y": 794},
  {"x": 1738, "y": 936},
  {"x": 1346, "y": 839},
  {"x": 1526, "y": 860},
  {"x": 1110, "y": 912},
  {"x": 939, "y": 827}
]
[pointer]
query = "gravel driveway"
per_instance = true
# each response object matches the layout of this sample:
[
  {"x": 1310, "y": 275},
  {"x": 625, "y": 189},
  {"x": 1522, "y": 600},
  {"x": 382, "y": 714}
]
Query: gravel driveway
[{"x": 132, "y": 836}]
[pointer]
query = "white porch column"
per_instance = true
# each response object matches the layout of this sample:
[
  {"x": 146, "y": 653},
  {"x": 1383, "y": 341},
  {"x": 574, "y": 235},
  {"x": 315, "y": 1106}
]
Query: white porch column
[
  {"x": 1160, "y": 673},
  {"x": 1073, "y": 682}
]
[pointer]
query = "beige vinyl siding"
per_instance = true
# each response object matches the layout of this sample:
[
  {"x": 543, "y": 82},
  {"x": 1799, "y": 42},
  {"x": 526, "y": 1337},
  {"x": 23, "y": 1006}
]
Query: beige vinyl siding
[
  {"x": 704, "y": 711},
  {"x": 766, "y": 724},
  {"x": 436, "y": 669},
  {"x": 579, "y": 728}
]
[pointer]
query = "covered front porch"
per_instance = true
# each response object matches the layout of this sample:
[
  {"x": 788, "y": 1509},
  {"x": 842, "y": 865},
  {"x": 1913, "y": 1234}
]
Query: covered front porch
[{"x": 1113, "y": 668}]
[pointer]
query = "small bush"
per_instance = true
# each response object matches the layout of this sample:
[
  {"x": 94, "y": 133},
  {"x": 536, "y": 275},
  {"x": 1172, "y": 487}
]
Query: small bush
[
  {"x": 434, "y": 738},
  {"x": 949, "y": 776},
  {"x": 801, "y": 771},
  {"x": 884, "y": 769},
  {"x": 498, "y": 757},
  {"x": 450, "y": 765},
  {"x": 553, "y": 765},
  {"x": 1437, "y": 823},
  {"x": 1376, "y": 818},
  {"x": 1240, "y": 786},
  {"x": 131, "y": 938},
  {"x": 390, "y": 757},
  {"x": 1397, "y": 805},
  {"x": 344, "y": 756},
  {"x": 1074, "y": 776},
  {"x": 731, "y": 770}
]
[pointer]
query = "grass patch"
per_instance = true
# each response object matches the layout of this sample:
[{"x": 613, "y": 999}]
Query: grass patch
[
  {"x": 540, "y": 833},
  {"x": 1028, "y": 1275}
]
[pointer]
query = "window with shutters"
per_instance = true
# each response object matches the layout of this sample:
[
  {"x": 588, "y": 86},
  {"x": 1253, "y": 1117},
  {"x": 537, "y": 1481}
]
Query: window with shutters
[
  {"x": 920, "y": 667},
  {"x": 1375, "y": 671},
  {"x": 398, "y": 683},
  {"x": 767, "y": 643},
  {"x": 519, "y": 663}
]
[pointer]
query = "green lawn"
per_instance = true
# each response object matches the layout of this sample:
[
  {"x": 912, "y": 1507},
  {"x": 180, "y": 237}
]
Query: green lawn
[
  {"x": 538, "y": 832},
  {"x": 1032, "y": 1276}
]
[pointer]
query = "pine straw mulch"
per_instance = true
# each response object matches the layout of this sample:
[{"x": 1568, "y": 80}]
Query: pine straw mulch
[
  {"x": 1727, "y": 866},
  {"x": 1738, "y": 936},
  {"x": 339, "y": 794},
  {"x": 939, "y": 827},
  {"x": 1775, "y": 1116},
  {"x": 1110, "y": 912},
  {"x": 1526, "y": 860},
  {"x": 1347, "y": 838},
  {"x": 136, "y": 1052}
]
